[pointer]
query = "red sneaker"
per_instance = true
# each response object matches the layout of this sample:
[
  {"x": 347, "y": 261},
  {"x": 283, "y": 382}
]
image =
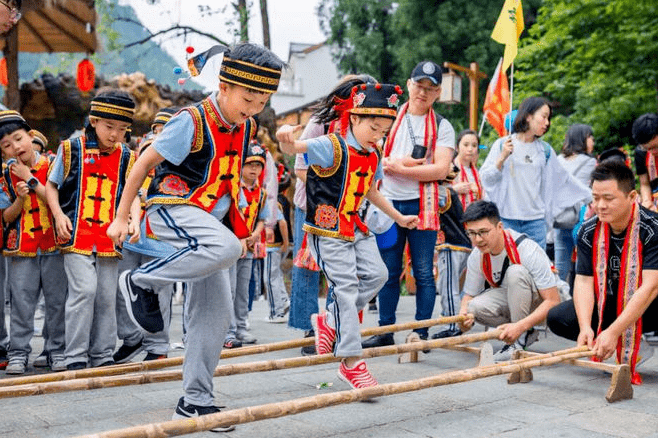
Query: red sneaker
[
  {"x": 325, "y": 336},
  {"x": 357, "y": 377}
]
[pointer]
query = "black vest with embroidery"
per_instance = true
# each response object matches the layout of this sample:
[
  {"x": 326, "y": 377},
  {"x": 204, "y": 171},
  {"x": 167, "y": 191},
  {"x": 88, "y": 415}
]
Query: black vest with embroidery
[{"x": 335, "y": 194}]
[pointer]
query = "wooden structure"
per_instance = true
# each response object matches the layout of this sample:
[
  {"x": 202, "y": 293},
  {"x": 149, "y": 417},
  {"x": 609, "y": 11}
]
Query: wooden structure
[
  {"x": 48, "y": 26},
  {"x": 474, "y": 75}
]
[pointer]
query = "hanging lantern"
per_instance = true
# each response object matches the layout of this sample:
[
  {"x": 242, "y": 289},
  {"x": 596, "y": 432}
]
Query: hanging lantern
[
  {"x": 4, "y": 81},
  {"x": 86, "y": 75}
]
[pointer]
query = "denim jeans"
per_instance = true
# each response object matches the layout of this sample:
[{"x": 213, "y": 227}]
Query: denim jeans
[
  {"x": 563, "y": 251},
  {"x": 305, "y": 284},
  {"x": 421, "y": 247},
  {"x": 534, "y": 229}
]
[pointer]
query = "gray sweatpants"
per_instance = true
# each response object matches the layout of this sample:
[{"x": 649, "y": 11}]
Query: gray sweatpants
[
  {"x": 239, "y": 275},
  {"x": 91, "y": 324},
  {"x": 4, "y": 296},
  {"x": 277, "y": 295},
  {"x": 127, "y": 331},
  {"x": 206, "y": 249},
  {"x": 27, "y": 276},
  {"x": 355, "y": 272},
  {"x": 451, "y": 263},
  {"x": 514, "y": 300}
]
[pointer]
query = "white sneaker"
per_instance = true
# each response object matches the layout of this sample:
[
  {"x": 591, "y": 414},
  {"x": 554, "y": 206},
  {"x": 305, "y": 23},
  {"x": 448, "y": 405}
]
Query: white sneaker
[
  {"x": 57, "y": 362},
  {"x": 507, "y": 352},
  {"x": 246, "y": 337},
  {"x": 17, "y": 365},
  {"x": 277, "y": 319}
]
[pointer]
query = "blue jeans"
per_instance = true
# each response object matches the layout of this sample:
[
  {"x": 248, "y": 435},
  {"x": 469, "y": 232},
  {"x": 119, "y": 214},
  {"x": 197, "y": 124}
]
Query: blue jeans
[
  {"x": 421, "y": 247},
  {"x": 534, "y": 229},
  {"x": 305, "y": 284},
  {"x": 563, "y": 251}
]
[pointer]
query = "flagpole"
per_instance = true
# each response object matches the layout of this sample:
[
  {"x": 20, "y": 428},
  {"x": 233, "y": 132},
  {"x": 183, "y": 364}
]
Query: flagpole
[
  {"x": 484, "y": 119},
  {"x": 511, "y": 93}
]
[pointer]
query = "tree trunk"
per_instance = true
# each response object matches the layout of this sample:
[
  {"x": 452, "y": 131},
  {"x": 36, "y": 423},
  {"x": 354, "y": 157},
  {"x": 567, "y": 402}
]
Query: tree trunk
[
  {"x": 12, "y": 98},
  {"x": 243, "y": 16},
  {"x": 266, "y": 23}
]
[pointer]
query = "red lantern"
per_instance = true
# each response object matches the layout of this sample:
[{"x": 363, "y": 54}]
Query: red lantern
[
  {"x": 86, "y": 75},
  {"x": 4, "y": 81}
]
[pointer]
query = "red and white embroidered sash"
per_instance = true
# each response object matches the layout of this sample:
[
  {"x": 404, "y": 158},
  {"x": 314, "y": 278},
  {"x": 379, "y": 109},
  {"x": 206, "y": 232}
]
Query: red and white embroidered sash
[
  {"x": 470, "y": 197},
  {"x": 512, "y": 253},
  {"x": 630, "y": 279},
  {"x": 428, "y": 217}
]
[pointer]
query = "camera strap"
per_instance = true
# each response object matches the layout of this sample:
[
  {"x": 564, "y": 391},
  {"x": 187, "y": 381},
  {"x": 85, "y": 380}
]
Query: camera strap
[{"x": 411, "y": 130}]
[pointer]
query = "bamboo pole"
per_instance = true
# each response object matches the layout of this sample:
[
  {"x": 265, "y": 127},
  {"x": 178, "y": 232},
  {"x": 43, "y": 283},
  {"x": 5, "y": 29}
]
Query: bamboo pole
[
  {"x": 231, "y": 369},
  {"x": 280, "y": 409},
  {"x": 115, "y": 370}
]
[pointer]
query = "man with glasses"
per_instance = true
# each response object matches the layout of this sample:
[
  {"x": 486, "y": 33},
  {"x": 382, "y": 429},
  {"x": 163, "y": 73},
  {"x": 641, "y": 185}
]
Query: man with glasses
[
  {"x": 9, "y": 14},
  {"x": 509, "y": 281},
  {"x": 417, "y": 156}
]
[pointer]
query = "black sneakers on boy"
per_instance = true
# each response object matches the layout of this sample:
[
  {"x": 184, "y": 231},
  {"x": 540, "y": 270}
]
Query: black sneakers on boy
[
  {"x": 184, "y": 410},
  {"x": 142, "y": 304}
]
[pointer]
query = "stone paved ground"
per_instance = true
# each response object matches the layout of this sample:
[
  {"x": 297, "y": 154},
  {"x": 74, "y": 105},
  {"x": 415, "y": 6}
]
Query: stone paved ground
[{"x": 562, "y": 401}]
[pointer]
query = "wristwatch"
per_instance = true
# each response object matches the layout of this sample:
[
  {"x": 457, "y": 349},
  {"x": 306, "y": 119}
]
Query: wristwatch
[{"x": 32, "y": 183}]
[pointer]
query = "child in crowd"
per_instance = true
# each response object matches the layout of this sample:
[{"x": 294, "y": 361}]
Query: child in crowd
[
  {"x": 196, "y": 186},
  {"x": 645, "y": 134},
  {"x": 467, "y": 184},
  {"x": 84, "y": 187},
  {"x": 34, "y": 262},
  {"x": 134, "y": 255},
  {"x": 277, "y": 295},
  {"x": 343, "y": 171},
  {"x": 240, "y": 273},
  {"x": 453, "y": 247}
]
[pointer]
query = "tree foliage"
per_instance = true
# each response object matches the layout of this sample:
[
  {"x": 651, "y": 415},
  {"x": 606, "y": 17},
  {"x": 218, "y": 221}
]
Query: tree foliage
[
  {"x": 596, "y": 61},
  {"x": 387, "y": 39}
]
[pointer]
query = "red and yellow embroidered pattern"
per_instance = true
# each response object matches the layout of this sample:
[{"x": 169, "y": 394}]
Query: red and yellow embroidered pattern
[
  {"x": 12, "y": 240},
  {"x": 326, "y": 216},
  {"x": 173, "y": 185}
]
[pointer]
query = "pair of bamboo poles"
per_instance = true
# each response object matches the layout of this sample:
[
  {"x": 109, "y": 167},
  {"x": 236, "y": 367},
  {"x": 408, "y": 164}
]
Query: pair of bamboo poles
[{"x": 113, "y": 376}]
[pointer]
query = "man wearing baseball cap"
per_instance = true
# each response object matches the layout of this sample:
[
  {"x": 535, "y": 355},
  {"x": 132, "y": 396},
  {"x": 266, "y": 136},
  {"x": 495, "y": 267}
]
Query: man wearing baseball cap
[{"x": 417, "y": 156}]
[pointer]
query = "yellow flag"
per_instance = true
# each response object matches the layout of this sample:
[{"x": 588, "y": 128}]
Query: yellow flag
[{"x": 508, "y": 29}]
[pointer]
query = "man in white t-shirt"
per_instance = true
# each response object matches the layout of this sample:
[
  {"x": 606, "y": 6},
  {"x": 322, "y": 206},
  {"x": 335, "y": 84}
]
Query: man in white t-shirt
[
  {"x": 509, "y": 281},
  {"x": 417, "y": 155}
]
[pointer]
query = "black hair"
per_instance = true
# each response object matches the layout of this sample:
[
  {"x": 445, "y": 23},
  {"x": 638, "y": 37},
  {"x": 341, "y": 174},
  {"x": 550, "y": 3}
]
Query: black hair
[
  {"x": 17, "y": 3},
  {"x": 10, "y": 128},
  {"x": 323, "y": 111},
  {"x": 615, "y": 170},
  {"x": 645, "y": 128},
  {"x": 611, "y": 155},
  {"x": 481, "y": 210},
  {"x": 256, "y": 54},
  {"x": 575, "y": 141},
  {"x": 463, "y": 134},
  {"x": 528, "y": 107}
]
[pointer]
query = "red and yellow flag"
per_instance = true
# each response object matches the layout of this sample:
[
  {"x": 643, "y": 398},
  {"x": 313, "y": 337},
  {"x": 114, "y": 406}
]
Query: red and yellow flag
[
  {"x": 508, "y": 29},
  {"x": 497, "y": 101}
]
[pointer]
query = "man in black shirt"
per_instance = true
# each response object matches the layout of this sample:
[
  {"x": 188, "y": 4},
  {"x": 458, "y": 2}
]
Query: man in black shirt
[{"x": 631, "y": 234}]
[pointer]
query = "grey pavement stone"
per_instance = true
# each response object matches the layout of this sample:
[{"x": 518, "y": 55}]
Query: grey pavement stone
[{"x": 562, "y": 401}]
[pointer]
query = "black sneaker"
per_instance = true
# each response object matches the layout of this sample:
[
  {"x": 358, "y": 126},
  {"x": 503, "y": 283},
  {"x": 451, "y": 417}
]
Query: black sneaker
[
  {"x": 75, "y": 366},
  {"x": 184, "y": 410},
  {"x": 378, "y": 341},
  {"x": 106, "y": 364},
  {"x": 372, "y": 308},
  {"x": 309, "y": 350},
  {"x": 154, "y": 356},
  {"x": 142, "y": 304},
  {"x": 42, "y": 360},
  {"x": 447, "y": 333},
  {"x": 126, "y": 352},
  {"x": 4, "y": 359}
]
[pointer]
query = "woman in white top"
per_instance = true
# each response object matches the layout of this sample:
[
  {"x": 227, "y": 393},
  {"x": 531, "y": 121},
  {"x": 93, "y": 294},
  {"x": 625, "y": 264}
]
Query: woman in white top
[
  {"x": 522, "y": 176},
  {"x": 577, "y": 160}
]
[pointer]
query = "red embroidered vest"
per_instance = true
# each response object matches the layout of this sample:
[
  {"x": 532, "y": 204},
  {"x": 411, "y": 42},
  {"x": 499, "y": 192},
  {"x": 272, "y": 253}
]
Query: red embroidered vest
[
  {"x": 32, "y": 232},
  {"x": 90, "y": 195},
  {"x": 211, "y": 170},
  {"x": 334, "y": 194}
]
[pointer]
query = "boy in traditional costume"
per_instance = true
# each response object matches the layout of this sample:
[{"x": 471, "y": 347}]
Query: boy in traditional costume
[{"x": 196, "y": 186}]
